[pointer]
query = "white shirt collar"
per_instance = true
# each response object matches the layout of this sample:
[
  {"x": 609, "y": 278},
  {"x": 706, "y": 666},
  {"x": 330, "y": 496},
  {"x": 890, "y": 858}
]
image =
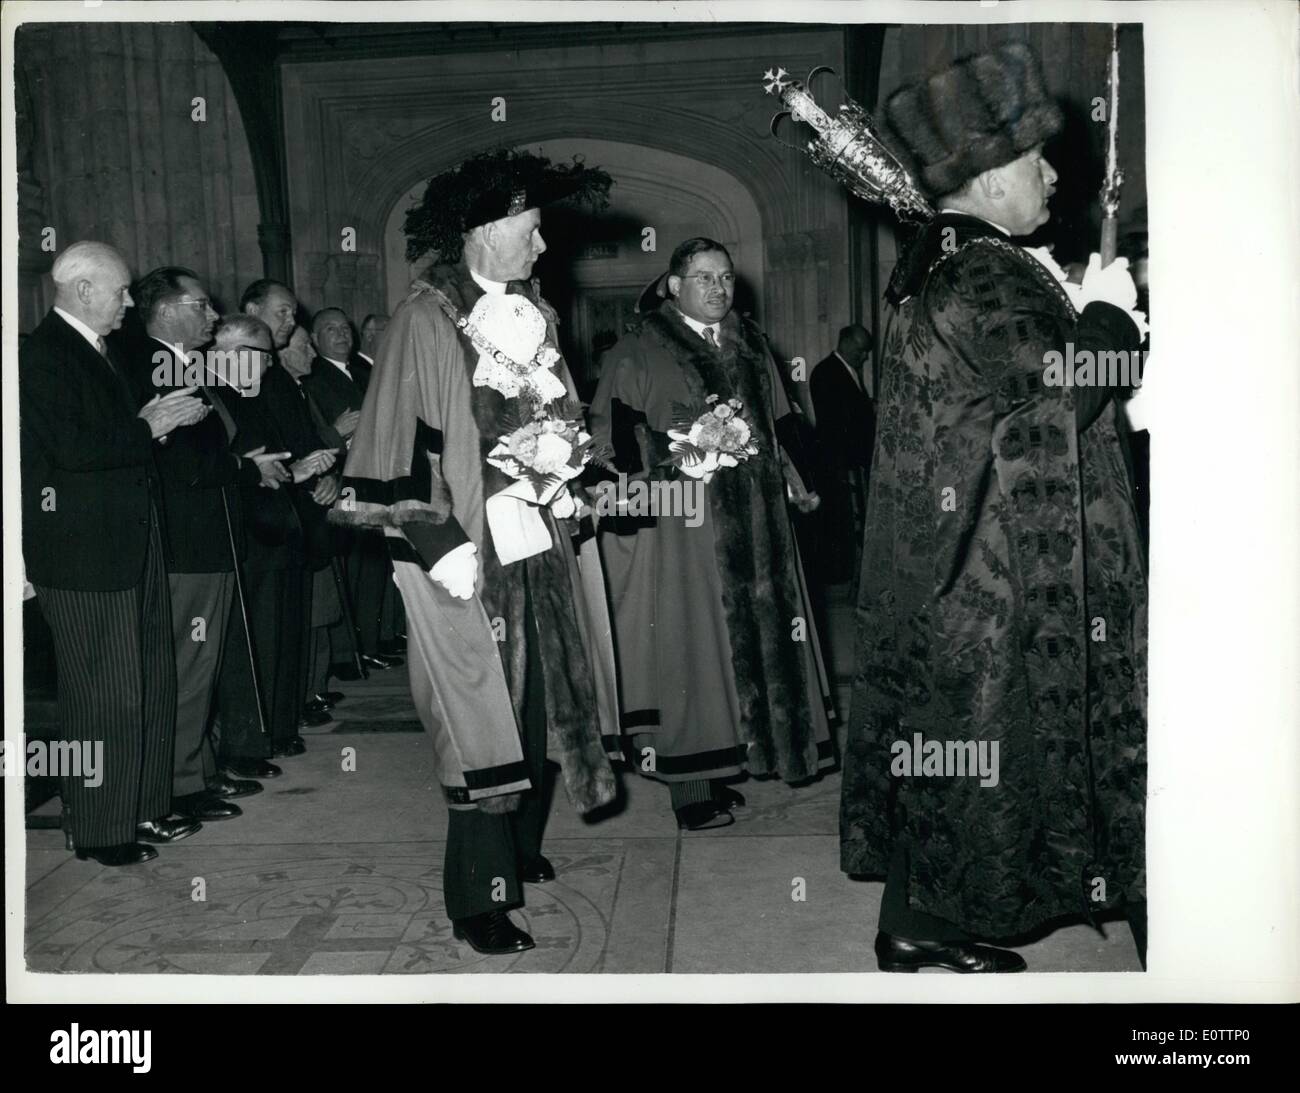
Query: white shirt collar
[
  {"x": 80, "y": 327},
  {"x": 962, "y": 212},
  {"x": 700, "y": 327},
  {"x": 340, "y": 365},
  {"x": 492, "y": 288}
]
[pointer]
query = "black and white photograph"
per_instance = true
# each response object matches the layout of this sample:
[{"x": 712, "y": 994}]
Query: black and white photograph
[{"x": 648, "y": 491}]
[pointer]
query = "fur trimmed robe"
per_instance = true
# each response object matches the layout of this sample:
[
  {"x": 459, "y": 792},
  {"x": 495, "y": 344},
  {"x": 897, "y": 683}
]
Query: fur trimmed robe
[
  {"x": 719, "y": 668},
  {"x": 417, "y": 472},
  {"x": 1002, "y": 602}
]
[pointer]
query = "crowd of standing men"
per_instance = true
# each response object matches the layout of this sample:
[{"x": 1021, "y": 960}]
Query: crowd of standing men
[{"x": 174, "y": 531}]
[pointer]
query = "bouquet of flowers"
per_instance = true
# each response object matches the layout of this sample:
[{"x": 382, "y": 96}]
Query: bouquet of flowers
[
  {"x": 546, "y": 451},
  {"x": 710, "y": 436}
]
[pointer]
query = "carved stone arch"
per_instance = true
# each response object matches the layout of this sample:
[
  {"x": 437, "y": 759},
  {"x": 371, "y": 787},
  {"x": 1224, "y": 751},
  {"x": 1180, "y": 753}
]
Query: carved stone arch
[
  {"x": 687, "y": 134},
  {"x": 674, "y": 194}
]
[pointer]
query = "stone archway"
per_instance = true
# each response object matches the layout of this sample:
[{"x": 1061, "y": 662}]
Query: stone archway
[
  {"x": 360, "y": 134},
  {"x": 674, "y": 195}
]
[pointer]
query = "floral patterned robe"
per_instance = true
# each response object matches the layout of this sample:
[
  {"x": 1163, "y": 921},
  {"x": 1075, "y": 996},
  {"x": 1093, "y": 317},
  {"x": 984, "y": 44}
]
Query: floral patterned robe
[{"x": 1003, "y": 598}]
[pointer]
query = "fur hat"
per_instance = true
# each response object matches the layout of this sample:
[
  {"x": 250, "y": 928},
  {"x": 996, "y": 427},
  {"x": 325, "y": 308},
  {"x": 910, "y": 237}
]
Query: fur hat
[{"x": 981, "y": 112}]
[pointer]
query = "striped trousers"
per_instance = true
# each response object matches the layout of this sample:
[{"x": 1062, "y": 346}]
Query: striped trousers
[{"x": 116, "y": 685}]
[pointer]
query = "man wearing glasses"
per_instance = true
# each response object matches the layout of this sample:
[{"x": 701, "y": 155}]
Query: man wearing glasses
[
  {"x": 719, "y": 668},
  {"x": 197, "y": 469}
]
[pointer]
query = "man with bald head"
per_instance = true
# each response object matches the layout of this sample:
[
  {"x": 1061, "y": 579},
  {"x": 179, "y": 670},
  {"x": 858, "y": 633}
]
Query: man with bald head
[{"x": 93, "y": 550}]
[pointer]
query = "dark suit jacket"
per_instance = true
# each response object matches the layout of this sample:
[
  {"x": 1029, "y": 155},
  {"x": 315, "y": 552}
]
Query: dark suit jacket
[
  {"x": 195, "y": 465},
  {"x": 846, "y": 416},
  {"x": 288, "y": 416},
  {"x": 80, "y": 436},
  {"x": 332, "y": 391}
]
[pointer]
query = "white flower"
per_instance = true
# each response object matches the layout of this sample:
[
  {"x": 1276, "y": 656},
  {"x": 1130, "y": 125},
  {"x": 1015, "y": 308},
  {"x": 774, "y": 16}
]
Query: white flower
[{"x": 553, "y": 454}]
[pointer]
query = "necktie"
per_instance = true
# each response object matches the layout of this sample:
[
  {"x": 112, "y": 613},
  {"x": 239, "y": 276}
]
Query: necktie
[{"x": 710, "y": 337}]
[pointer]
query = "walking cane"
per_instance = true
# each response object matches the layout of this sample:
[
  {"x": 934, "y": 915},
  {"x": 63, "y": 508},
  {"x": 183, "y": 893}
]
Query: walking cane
[
  {"x": 243, "y": 612},
  {"x": 349, "y": 616}
]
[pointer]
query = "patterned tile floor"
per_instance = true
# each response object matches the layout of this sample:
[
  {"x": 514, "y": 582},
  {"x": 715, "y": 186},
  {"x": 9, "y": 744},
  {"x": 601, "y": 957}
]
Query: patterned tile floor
[{"x": 340, "y": 871}]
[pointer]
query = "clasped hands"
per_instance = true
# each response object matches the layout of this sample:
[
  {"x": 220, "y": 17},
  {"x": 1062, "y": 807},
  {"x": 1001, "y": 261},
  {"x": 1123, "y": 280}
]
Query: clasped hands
[
  {"x": 274, "y": 472},
  {"x": 163, "y": 413}
]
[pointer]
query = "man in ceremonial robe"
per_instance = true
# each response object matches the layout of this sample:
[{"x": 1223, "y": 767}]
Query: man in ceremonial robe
[
  {"x": 1002, "y": 606},
  {"x": 508, "y": 636},
  {"x": 719, "y": 669}
]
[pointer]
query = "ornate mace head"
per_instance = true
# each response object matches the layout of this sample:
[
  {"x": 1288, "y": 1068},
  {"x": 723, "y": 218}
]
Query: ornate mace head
[{"x": 847, "y": 146}]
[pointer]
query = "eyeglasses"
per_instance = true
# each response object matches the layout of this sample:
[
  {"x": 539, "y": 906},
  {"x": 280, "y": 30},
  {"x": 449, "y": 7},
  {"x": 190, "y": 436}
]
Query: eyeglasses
[
  {"x": 202, "y": 302},
  {"x": 710, "y": 280}
]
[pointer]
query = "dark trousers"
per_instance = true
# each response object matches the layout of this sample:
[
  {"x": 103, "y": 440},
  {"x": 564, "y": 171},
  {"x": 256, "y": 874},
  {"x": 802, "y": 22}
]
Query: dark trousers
[
  {"x": 326, "y": 610},
  {"x": 275, "y": 608},
  {"x": 900, "y": 920},
  {"x": 485, "y": 851},
  {"x": 200, "y": 612},
  {"x": 368, "y": 568},
  {"x": 303, "y": 663},
  {"x": 392, "y": 618},
  {"x": 116, "y": 688}
]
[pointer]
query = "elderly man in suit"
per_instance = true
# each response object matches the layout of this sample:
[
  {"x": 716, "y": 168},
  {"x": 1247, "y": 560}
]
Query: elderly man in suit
[
  {"x": 337, "y": 385},
  {"x": 284, "y": 527},
  {"x": 93, "y": 550},
  {"x": 198, "y": 472},
  {"x": 846, "y": 432}
]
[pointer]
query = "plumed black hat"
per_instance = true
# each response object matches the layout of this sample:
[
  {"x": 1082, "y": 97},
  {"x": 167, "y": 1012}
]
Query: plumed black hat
[
  {"x": 490, "y": 186},
  {"x": 981, "y": 112}
]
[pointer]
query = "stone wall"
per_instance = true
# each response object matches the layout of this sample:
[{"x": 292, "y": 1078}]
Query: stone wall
[
  {"x": 108, "y": 150},
  {"x": 362, "y": 134}
]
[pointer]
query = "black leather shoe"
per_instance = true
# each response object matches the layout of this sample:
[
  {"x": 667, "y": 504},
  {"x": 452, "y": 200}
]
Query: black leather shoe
[
  {"x": 396, "y": 647},
  {"x": 491, "y": 933},
  {"x": 727, "y": 797},
  {"x": 289, "y": 748},
  {"x": 167, "y": 829},
  {"x": 313, "y": 718},
  {"x": 894, "y": 954},
  {"x": 317, "y": 704},
  {"x": 703, "y": 816},
  {"x": 380, "y": 663},
  {"x": 122, "y": 854},
  {"x": 226, "y": 789},
  {"x": 537, "y": 871},
  {"x": 347, "y": 671},
  {"x": 333, "y": 697},
  {"x": 250, "y": 768},
  {"x": 203, "y": 806}
]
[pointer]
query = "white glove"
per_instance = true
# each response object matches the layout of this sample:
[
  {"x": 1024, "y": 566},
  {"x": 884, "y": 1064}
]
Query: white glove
[
  {"x": 1114, "y": 284},
  {"x": 457, "y": 571}
]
